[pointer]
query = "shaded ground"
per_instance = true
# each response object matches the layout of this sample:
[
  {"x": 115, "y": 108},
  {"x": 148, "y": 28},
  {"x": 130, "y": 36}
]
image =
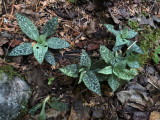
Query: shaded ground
[{"x": 81, "y": 24}]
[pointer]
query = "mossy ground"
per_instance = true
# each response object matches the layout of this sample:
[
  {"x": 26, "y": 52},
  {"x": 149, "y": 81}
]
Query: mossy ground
[
  {"x": 9, "y": 70},
  {"x": 148, "y": 40}
]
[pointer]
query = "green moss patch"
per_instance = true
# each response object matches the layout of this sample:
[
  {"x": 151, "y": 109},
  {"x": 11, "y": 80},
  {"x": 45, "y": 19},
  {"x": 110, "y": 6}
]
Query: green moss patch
[{"x": 9, "y": 70}]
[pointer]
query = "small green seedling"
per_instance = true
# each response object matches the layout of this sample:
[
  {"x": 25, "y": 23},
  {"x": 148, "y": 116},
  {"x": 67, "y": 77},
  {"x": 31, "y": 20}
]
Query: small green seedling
[
  {"x": 121, "y": 39},
  {"x": 40, "y": 48},
  {"x": 82, "y": 70},
  {"x": 52, "y": 102},
  {"x": 50, "y": 80},
  {"x": 118, "y": 68}
]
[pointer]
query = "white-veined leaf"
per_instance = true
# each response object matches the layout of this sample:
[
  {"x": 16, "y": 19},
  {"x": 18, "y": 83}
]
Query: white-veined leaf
[
  {"x": 92, "y": 83},
  {"x": 113, "y": 82},
  {"x": 131, "y": 34},
  {"x": 70, "y": 70},
  {"x": 107, "y": 70},
  {"x": 50, "y": 27},
  {"x": 50, "y": 58},
  {"x": 120, "y": 41},
  {"x": 133, "y": 64},
  {"x": 57, "y": 43},
  {"x": 133, "y": 47},
  {"x": 27, "y": 27},
  {"x": 111, "y": 29},
  {"x": 106, "y": 54},
  {"x": 22, "y": 49},
  {"x": 81, "y": 76},
  {"x": 40, "y": 51},
  {"x": 85, "y": 60},
  {"x": 121, "y": 72}
]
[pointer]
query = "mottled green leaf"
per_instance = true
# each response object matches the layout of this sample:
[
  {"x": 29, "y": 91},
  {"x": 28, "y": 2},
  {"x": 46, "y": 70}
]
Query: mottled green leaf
[
  {"x": 57, "y": 43},
  {"x": 33, "y": 110},
  {"x": 124, "y": 33},
  {"x": 50, "y": 26},
  {"x": 70, "y": 70},
  {"x": 121, "y": 72},
  {"x": 133, "y": 64},
  {"x": 111, "y": 29},
  {"x": 40, "y": 51},
  {"x": 50, "y": 58},
  {"x": 107, "y": 70},
  {"x": 106, "y": 54},
  {"x": 133, "y": 47},
  {"x": 131, "y": 34},
  {"x": 22, "y": 49},
  {"x": 113, "y": 82},
  {"x": 85, "y": 60},
  {"x": 81, "y": 76},
  {"x": 120, "y": 41},
  {"x": 59, "y": 106},
  {"x": 27, "y": 27},
  {"x": 92, "y": 83}
]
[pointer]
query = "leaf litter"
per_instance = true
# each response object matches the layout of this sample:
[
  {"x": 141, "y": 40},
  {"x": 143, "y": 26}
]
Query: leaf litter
[{"x": 81, "y": 25}]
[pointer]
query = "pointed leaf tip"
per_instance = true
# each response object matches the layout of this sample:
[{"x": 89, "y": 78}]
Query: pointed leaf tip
[
  {"x": 50, "y": 27},
  {"x": 92, "y": 82},
  {"x": 70, "y": 70},
  {"x": 57, "y": 43},
  {"x": 27, "y": 27},
  {"x": 22, "y": 49}
]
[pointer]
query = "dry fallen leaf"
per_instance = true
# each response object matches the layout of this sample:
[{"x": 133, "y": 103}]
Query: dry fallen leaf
[
  {"x": 154, "y": 115},
  {"x": 1, "y": 51},
  {"x": 135, "y": 96},
  {"x": 15, "y": 42},
  {"x": 91, "y": 28},
  {"x": 3, "y": 41}
]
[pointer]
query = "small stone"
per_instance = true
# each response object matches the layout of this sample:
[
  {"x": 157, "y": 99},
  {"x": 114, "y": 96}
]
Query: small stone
[
  {"x": 14, "y": 94},
  {"x": 150, "y": 70},
  {"x": 98, "y": 114}
]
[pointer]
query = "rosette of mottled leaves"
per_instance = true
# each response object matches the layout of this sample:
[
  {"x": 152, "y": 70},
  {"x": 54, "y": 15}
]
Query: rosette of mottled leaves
[
  {"x": 118, "y": 68},
  {"x": 40, "y": 48},
  {"x": 121, "y": 39},
  {"x": 82, "y": 70}
]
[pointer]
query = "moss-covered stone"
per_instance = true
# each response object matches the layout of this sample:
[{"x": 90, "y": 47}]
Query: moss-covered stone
[{"x": 9, "y": 70}]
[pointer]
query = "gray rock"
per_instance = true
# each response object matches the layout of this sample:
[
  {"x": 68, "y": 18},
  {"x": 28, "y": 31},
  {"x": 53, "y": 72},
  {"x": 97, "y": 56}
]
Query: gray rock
[
  {"x": 98, "y": 114},
  {"x": 14, "y": 93}
]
